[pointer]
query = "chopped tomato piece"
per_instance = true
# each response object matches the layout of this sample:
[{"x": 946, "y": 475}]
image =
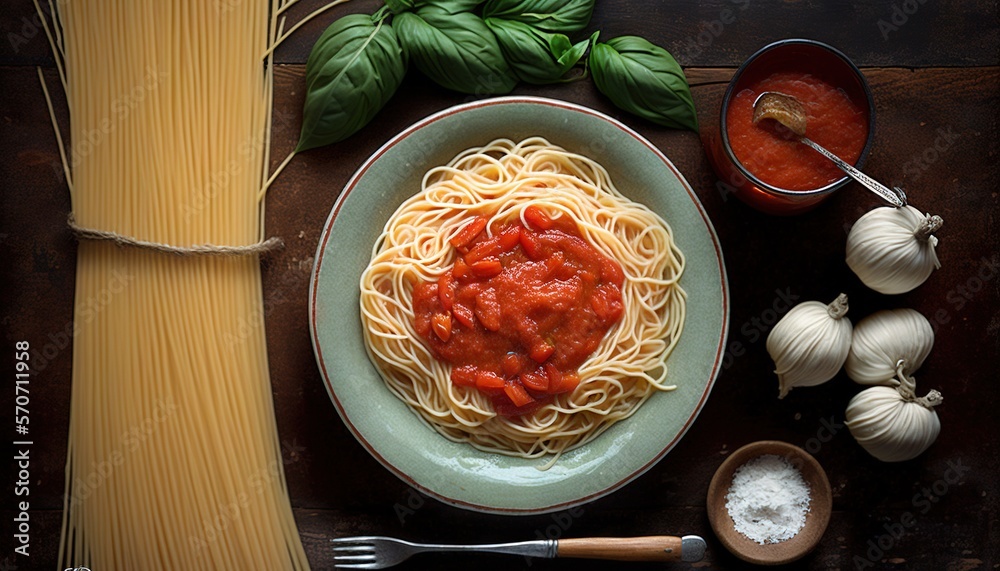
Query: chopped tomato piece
[
  {"x": 489, "y": 380},
  {"x": 530, "y": 244},
  {"x": 487, "y": 268},
  {"x": 510, "y": 238},
  {"x": 441, "y": 323},
  {"x": 516, "y": 393},
  {"x": 537, "y": 218},
  {"x": 488, "y": 309},
  {"x": 569, "y": 383},
  {"x": 446, "y": 290},
  {"x": 512, "y": 364},
  {"x": 464, "y": 376},
  {"x": 541, "y": 351},
  {"x": 464, "y": 315},
  {"x": 554, "y": 375},
  {"x": 534, "y": 381},
  {"x": 469, "y": 232},
  {"x": 485, "y": 249},
  {"x": 461, "y": 270}
]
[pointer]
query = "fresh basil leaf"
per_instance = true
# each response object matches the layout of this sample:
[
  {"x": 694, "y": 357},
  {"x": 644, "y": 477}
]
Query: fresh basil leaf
[
  {"x": 352, "y": 71},
  {"x": 458, "y": 51},
  {"x": 536, "y": 57},
  {"x": 576, "y": 53},
  {"x": 451, "y": 6},
  {"x": 558, "y": 16},
  {"x": 400, "y": 6},
  {"x": 643, "y": 79}
]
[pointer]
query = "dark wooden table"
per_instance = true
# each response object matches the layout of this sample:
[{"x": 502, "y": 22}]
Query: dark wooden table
[{"x": 934, "y": 68}]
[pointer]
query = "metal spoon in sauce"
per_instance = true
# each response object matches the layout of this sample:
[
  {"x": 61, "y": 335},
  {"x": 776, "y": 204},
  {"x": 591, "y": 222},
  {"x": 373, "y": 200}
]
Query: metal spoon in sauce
[{"x": 789, "y": 112}]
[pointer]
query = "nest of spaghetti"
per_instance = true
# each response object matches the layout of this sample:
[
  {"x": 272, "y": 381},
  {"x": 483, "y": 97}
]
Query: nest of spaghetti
[{"x": 539, "y": 190}]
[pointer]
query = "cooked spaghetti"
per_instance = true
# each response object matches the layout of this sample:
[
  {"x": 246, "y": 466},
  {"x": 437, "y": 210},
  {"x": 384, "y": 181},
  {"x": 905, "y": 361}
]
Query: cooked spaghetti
[{"x": 503, "y": 183}]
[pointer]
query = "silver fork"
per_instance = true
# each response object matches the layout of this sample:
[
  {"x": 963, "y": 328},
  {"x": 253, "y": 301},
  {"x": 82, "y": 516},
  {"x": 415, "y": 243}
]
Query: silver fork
[{"x": 374, "y": 552}]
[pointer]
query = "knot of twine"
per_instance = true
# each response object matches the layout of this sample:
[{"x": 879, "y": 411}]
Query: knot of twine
[{"x": 262, "y": 247}]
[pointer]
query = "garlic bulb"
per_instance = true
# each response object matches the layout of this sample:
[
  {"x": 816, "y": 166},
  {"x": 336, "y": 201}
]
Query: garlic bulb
[
  {"x": 891, "y": 423},
  {"x": 810, "y": 344},
  {"x": 892, "y": 249},
  {"x": 883, "y": 339}
]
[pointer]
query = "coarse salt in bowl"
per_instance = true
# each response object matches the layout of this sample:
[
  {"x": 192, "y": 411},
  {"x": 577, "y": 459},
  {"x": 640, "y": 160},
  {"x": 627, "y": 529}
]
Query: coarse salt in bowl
[{"x": 768, "y": 464}]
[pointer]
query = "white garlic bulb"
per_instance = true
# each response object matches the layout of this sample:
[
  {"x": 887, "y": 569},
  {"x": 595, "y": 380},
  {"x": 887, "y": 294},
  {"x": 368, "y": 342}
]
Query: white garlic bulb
[
  {"x": 892, "y": 249},
  {"x": 810, "y": 344},
  {"x": 891, "y": 423},
  {"x": 885, "y": 338}
]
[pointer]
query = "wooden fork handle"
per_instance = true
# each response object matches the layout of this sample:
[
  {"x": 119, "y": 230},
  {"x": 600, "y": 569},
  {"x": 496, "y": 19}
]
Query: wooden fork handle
[{"x": 652, "y": 548}]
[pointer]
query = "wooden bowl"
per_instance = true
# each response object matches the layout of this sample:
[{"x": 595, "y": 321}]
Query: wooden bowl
[{"x": 820, "y": 505}]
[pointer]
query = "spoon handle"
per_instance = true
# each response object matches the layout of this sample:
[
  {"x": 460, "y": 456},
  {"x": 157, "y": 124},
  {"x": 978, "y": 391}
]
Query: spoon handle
[{"x": 895, "y": 197}]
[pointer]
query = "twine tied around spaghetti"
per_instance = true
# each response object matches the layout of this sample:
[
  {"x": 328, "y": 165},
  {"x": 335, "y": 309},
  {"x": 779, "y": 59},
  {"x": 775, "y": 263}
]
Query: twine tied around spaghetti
[{"x": 262, "y": 247}]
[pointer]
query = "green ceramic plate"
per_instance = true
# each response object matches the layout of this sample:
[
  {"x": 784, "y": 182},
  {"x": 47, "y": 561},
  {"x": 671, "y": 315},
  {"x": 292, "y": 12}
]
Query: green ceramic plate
[{"x": 459, "y": 474}]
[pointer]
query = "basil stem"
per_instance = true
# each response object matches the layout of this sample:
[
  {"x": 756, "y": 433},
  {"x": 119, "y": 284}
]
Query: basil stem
[
  {"x": 458, "y": 51},
  {"x": 352, "y": 72},
  {"x": 643, "y": 79}
]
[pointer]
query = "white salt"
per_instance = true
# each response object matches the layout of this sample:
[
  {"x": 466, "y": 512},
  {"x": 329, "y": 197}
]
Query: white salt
[{"x": 768, "y": 499}]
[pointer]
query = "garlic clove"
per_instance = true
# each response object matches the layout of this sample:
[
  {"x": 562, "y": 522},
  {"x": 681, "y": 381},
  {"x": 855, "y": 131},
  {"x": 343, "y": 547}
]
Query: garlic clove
[
  {"x": 892, "y": 250},
  {"x": 883, "y": 339},
  {"x": 891, "y": 423},
  {"x": 810, "y": 344}
]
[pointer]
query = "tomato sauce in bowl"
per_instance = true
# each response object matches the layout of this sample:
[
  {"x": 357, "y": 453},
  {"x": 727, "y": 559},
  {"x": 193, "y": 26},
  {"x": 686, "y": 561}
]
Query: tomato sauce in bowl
[
  {"x": 774, "y": 174},
  {"x": 834, "y": 122}
]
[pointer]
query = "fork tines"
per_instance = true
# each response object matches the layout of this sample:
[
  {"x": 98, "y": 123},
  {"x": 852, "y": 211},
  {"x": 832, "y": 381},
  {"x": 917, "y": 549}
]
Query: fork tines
[{"x": 354, "y": 553}]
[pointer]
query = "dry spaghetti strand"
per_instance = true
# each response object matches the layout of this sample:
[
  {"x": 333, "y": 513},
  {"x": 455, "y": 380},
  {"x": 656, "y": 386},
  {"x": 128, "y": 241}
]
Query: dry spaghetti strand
[{"x": 174, "y": 460}]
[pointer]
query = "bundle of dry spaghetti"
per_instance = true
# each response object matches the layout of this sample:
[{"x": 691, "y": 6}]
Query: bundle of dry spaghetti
[{"x": 174, "y": 459}]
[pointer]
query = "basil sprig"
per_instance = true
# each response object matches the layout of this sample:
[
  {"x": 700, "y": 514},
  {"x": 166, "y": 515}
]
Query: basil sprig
[
  {"x": 559, "y": 16},
  {"x": 359, "y": 61},
  {"x": 458, "y": 51},
  {"x": 536, "y": 57},
  {"x": 643, "y": 79},
  {"x": 352, "y": 71}
]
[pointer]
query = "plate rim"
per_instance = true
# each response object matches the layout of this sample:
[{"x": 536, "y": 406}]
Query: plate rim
[{"x": 318, "y": 262}]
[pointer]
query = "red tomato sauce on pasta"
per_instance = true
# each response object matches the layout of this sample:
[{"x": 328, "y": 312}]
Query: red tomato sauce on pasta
[
  {"x": 521, "y": 310},
  {"x": 834, "y": 122}
]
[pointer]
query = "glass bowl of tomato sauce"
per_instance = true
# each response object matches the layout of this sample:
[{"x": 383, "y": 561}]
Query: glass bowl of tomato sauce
[{"x": 774, "y": 172}]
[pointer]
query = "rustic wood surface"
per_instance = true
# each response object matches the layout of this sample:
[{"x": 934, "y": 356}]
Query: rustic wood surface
[{"x": 936, "y": 83}]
